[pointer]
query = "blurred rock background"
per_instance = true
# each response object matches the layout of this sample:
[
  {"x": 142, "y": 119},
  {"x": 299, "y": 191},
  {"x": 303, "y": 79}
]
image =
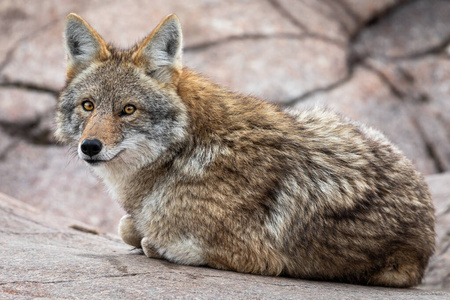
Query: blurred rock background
[{"x": 385, "y": 63}]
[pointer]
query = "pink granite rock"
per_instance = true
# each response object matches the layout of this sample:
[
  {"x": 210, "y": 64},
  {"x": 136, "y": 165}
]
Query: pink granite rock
[{"x": 42, "y": 258}]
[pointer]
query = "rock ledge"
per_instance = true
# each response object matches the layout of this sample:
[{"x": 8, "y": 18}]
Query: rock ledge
[{"x": 43, "y": 257}]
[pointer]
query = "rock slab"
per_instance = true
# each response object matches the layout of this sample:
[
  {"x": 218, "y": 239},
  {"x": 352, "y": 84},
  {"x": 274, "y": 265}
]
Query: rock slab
[{"x": 43, "y": 258}]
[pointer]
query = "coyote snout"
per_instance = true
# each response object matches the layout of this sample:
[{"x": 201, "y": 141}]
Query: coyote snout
[
  {"x": 91, "y": 147},
  {"x": 94, "y": 152}
]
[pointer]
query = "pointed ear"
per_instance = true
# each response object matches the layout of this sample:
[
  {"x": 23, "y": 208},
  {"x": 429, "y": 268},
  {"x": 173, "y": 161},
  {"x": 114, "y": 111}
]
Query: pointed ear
[
  {"x": 159, "y": 54},
  {"x": 83, "y": 45}
]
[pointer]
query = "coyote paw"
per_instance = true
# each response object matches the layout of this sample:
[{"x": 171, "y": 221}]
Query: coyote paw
[
  {"x": 128, "y": 232},
  {"x": 148, "y": 249}
]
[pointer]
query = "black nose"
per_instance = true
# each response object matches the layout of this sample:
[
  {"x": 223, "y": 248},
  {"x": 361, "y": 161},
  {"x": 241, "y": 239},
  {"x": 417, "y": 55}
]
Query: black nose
[{"x": 91, "y": 147}]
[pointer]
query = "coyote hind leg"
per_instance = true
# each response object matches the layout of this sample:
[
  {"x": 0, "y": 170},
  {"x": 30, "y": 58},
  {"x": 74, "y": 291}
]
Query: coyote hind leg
[{"x": 402, "y": 271}]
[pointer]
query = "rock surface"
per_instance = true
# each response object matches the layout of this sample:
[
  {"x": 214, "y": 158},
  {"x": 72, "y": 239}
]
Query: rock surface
[
  {"x": 438, "y": 273},
  {"x": 385, "y": 63},
  {"x": 42, "y": 258}
]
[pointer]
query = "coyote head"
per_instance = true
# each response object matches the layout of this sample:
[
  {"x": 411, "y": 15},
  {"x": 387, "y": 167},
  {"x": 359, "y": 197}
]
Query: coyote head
[{"x": 121, "y": 106}]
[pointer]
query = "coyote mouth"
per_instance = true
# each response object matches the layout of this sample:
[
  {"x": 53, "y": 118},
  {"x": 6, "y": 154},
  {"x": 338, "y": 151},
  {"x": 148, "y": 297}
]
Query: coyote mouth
[{"x": 96, "y": 162}]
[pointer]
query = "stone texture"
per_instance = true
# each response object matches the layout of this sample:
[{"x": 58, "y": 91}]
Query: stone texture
[
  {"x": 365, "y": 11},
  {"x": 282, "y": 73},
  {"x": 42, "y": 260},
  {"x": 438, "y": 274},
  {"x": 411, "y": 30},
  {"x": 52, "y": 178},
  {"x": 326, "y": 19},
  {"x": 431, "y": 78},
  {"x": 29, "y": 40},
  {"x": 382, "y": 62},
  {"x": 19, "y": 106},
  {"x": 130, "y": 25},
  {"x": 6, "y": 142},
  {"x": 422, "y": 85}
]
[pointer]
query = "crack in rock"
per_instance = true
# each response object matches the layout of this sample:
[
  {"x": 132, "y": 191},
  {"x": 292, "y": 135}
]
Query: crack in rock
[
  {"x": 29, "y": 131},
  {"x": 9, "y": 55},
  {"x": 431, "y": 149},
  {"x": 336, "y": 5},
  {"x": 244, "y": 37},
  {"x": 29, "y": 86},
  {"x": 324, "y": 89},
  {"x": 353, "y": 58},
  {"x": 378, "y": 17},
  {"x": 432, "y": 152},
  {"x": 306, "y": 31},
  {"x": 390, "y": 85},
  {"x": 13, "y": 144},
  {"x": 72, "y": 280},
  {"x": 351, "y": 66},
  {"x": 437, "y": 49},
  {"x": 11, "y": 212},
  {"x": 285, "y": 13},
  {"x": 348, "y": 10},
  {"x": 441, "y": 48}
]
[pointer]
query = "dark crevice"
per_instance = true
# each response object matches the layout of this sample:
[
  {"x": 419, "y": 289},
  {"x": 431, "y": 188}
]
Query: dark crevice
[
  {"x": 48, "y": 234},
  {"x": 9, "y": 55},
  {"x": 319, "y": 90},
  {"x": 432, "y": 153},
  {"x": 392, "y": 88},
  {"x": 290, "y": 36},
  {"x": 429, "y": 146},
  {"x": 411, "y": 94},
  {"x": 348, "y": 10},
  {"x": 351, "y": 62},
  {"x": 29, "y": 131},
  {"x": 341, "y": 13},
  {"x": 285, "y": 13},
  {"x": 29, "y": 86},
  {"x": 335, "y": 6},
  {"x": 11, "y": 212},
  {"x": 438, "y": 49},
  {"x": 377, "y": 18},
  {"x": 8, "y": 149},
  {"x": 306, "y": 31},
  {"x": 84, "y": 229},
  {"x": 374, "y": 20},
  {"x": 435, "y": 50},
  {"x": 206, "y": 45},
  {"x": 353, "y": 59},
  {"x": 326, "y": 39},
  {"x": 70, "y": 280}
]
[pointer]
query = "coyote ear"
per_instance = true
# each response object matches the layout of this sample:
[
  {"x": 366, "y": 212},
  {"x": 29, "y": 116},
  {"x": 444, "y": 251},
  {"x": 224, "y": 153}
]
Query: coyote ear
[
  {"x": 160, "y": 52},
  {"x": 83, "y": 45}
]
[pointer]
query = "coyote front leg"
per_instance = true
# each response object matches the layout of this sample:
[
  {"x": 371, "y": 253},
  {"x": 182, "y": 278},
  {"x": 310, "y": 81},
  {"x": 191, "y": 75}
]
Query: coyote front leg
[{"x": 128, "y": 232}]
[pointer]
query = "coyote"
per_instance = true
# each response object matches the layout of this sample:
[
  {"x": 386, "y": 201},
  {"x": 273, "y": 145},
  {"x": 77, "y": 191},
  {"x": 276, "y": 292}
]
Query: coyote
[{"x": 213, "y": 178}]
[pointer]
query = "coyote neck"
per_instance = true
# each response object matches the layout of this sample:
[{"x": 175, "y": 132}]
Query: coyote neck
[{"x": 215, "y": 112}]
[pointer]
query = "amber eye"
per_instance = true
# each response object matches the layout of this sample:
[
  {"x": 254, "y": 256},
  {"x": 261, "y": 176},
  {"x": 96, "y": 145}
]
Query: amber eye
[
  {"x": 87, "y": 105},
  {"x": 128, "y": 109}
]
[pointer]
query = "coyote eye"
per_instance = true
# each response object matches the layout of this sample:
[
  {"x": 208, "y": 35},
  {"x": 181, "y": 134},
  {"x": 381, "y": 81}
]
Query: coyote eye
[
  {"x": 87, "y": 105},
  {"x": 128, "y": 109}
]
